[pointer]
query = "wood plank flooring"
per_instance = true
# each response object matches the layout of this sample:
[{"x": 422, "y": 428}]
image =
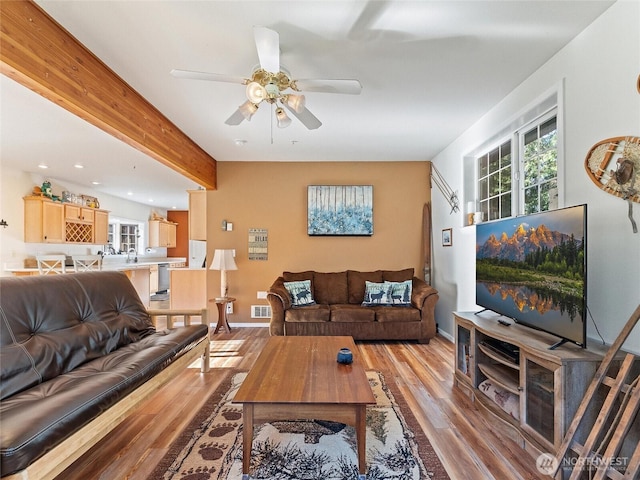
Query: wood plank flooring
[{"x": 469, "y": 442}]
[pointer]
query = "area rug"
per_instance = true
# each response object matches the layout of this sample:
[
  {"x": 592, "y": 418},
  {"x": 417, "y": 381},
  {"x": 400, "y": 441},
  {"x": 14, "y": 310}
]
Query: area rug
[{"x": 211, "y": 447}]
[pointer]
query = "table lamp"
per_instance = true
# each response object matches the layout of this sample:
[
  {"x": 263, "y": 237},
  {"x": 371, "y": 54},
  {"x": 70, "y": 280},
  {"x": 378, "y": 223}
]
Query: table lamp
[{"x": 223, "y": 261}]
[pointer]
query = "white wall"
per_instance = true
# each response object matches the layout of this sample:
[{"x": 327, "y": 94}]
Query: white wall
[
  {"x": 599, "y": 70},
  {"x": 16, "y": 184}
]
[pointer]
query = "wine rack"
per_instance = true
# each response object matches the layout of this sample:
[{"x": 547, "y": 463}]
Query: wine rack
[{"x": 79, "y": 232}]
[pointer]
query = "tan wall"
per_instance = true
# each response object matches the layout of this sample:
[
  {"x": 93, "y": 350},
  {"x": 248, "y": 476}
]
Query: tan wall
[{"x": 273, "y": 195}]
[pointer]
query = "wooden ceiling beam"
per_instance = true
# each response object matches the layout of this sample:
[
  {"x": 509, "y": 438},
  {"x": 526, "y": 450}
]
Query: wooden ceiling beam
[{"x": 40, "y": 54}]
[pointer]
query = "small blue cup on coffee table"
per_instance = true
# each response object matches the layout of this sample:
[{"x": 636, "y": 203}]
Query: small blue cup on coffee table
[{"x": 345, "y": 356}]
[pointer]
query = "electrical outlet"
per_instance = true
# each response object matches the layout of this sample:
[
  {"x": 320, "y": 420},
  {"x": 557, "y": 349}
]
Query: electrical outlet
[
  {"x": 229, "y": 308},
  {"x": 262, "y": 295}
]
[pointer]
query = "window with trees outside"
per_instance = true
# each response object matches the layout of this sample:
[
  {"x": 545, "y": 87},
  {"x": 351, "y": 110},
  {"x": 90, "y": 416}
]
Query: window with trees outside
[
  {"x": 520, "y": 175},
  {"x": 128, "y": 237}
]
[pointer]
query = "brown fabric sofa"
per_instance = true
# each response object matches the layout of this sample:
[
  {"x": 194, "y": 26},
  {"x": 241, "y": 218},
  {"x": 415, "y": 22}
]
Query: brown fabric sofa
[
  {"x": 78, "y": 352},
  {"x": 338, "y": 308}
]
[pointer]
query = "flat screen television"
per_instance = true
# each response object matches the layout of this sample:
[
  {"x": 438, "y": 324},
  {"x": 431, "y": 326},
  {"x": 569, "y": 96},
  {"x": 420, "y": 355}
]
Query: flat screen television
[{"x": 533, "y": 269}]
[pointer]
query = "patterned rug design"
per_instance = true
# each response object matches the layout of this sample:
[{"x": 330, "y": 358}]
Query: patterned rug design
[{"x": 211, "y": 447}]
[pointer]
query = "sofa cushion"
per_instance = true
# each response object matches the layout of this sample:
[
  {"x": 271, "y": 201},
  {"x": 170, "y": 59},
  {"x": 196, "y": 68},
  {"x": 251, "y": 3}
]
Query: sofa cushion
[
  {"x": 351, "y": 313},
  {"x": 297, "y": 276},
  {"x": 300, "y": 292},
  {"x": 309, "y": 313},
  {"x": 356, "y": 283},
  {"x": 39, "y": 418},
  {"x": 394, "y": 314},
  {"x": 376, "y": 294},
  {"x": 330, "y": 288},
  {"x": 400, "y": 293},
  {"x": 397, "y": 275},
  {"x": 76, "y": 319}
]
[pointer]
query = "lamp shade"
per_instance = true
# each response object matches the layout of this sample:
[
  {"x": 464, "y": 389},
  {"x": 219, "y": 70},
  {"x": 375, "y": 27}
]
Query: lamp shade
[
  {"x": 296, "y": 102},
  {"x": 256, "y": 92},
  {"x": 282, "y": 118},
  {"x": 247, "y": 109},
  {"x": 223, "y": 260}
]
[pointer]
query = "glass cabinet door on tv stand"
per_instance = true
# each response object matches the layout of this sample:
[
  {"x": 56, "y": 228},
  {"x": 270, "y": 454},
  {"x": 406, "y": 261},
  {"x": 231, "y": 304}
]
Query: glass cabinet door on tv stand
[
  {"x": 464, "y": 356},
  {"x": 540, "y": 413},
  {"x": 546, "y": 386}
]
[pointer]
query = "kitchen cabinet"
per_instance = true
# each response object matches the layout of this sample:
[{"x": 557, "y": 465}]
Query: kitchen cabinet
[
  {"x": 46, "y": 221},
  {"x": 43, "y": 220},
  {"x": 76, "y": 213},
  {"x": 197, "y": 214},
  {"x": 188, "y": 288},
  {"x": 139, "y": 277},
  {"x": 162, "y": 233},
  {"x": 101, "y": 227},
  {"x": 78, "y": 223},
  {"x": 153, "y": 279}
]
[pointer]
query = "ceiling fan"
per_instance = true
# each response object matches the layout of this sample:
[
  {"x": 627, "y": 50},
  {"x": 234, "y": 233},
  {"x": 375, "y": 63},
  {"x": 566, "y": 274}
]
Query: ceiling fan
[{"x": 270, "y": 82}]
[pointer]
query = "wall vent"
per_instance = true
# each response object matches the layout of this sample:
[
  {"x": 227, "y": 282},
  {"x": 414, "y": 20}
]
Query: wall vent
[{"x": 260, "y": 311}]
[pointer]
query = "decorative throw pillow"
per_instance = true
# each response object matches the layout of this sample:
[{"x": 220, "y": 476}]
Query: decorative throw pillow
[
  {"x": 400, "y": 293},
  {"x": 376, "y": 294},
  {"x": 300, "y": 292},
  {"x": 506, "y": 400}
]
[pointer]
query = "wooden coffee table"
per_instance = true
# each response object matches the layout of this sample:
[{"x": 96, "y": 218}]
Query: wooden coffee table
[{"x": 298, "y": 378}]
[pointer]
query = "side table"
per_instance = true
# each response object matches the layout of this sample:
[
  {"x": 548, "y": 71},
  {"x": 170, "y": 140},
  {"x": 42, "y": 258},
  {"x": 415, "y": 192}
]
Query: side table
[{"x": 222, "y": 303}]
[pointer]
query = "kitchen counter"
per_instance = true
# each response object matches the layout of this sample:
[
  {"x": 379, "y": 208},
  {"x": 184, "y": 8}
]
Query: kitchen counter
[
  {"x": 138, "y": 272},
  {"x": 119, "y": 265}
]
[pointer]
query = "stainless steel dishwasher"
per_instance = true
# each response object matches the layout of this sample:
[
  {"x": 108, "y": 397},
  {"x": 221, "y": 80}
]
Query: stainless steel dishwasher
[{"x": 163, "y": 277}]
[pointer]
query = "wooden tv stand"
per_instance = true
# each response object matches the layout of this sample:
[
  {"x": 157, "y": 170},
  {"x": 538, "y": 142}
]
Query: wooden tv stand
[{"x": 547, "y": 385}]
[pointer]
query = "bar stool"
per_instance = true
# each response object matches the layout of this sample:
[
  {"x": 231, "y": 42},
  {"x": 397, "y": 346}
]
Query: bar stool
[
  {"x": 86, "y": 263},
  {"x": 51, "y": 264}
]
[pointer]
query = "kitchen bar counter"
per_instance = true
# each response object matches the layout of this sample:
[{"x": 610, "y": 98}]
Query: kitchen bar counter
[
  {"x": 111, "y": 266},
  {"x": 138, "y": 272}
]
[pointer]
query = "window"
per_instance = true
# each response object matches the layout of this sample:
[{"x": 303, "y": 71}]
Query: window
[
  {"x": 123, "y": 235},
  {"x": 494, "y": 182},
  {"x": 539, "y": 164},
  {"x": 520, "y": 175},
  {"x": 128, "y": 237}
]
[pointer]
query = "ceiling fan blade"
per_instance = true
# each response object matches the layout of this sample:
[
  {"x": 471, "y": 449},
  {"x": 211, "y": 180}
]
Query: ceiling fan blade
[
  {"x": 213, "y": 77},
  {"x": 307, "y": 118},
  {"x": 235, "y": 119},
  {"x": 349, "y": 87},
  {"x": 268, "y": 46}
]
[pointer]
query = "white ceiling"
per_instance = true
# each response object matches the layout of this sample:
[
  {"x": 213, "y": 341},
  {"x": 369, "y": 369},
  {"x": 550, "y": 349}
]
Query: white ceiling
[{"x": 428, "y": 69}]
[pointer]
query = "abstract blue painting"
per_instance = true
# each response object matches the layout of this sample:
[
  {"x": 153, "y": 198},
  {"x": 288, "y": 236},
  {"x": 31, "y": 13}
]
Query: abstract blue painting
[{"x": 340, "y": 210}]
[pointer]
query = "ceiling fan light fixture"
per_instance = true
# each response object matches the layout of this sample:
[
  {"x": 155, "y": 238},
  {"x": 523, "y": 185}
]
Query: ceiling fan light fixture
[
  {"x": 282, "y": 118},
  {"x": 295, "y": 102},
  {"x": 247, "y": 109},
  {"x": 256, "y": 92}
]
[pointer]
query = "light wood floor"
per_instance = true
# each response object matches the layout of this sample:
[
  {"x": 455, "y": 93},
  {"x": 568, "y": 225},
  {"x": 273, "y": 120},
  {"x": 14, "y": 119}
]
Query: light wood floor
[{"x": 469, "y": 442}]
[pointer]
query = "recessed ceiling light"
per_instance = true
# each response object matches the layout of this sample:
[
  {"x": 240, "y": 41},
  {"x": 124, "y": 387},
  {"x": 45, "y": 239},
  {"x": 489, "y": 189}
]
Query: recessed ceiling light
[
  {"x": 174, "y": 207},
  {"x": 79, "y": 165},
  {"x": 43, "y": 166},
  {"x": 129, "y": 193},
  {"x": 151, "y": 200},
  {"x": 95, "y": 183}
]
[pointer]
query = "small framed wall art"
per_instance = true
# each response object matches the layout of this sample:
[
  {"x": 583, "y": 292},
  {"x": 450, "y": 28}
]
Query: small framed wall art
[{"x": 447, "y": 237}]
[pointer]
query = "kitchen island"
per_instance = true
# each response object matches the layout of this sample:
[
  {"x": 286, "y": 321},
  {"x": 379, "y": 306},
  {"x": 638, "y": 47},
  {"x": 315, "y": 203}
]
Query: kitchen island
[{"x": 139, "y": 272}]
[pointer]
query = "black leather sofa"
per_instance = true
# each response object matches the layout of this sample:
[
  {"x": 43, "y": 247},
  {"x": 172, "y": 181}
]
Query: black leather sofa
[{"x": 72, "y": 349}]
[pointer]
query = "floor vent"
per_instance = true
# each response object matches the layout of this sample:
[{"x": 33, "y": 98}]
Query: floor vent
[{"x": 260, "y": 311}]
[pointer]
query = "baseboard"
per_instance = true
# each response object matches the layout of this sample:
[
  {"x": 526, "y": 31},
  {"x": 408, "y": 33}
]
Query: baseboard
[
  {"x": 246, "y": 325},
  {"x": 446, "y": 335}
]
